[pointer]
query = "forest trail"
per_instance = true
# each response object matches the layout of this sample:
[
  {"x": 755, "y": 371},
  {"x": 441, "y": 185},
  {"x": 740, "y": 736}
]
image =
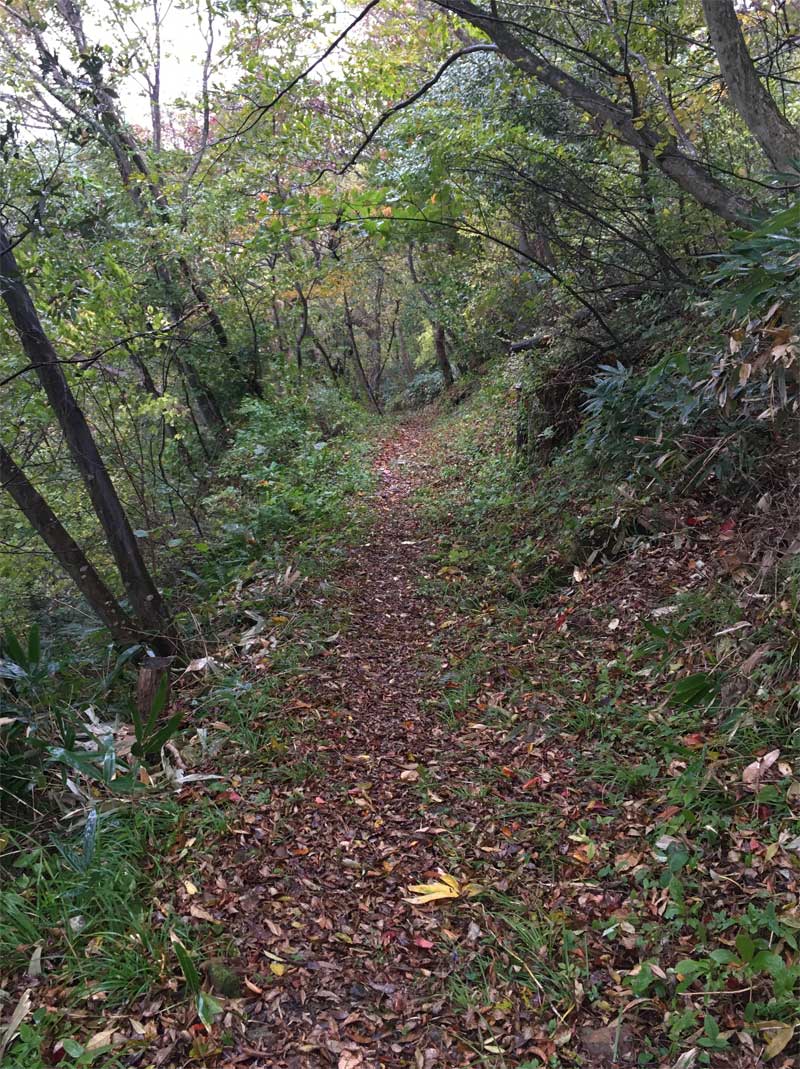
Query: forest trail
[{"x": 365, "y": 978}]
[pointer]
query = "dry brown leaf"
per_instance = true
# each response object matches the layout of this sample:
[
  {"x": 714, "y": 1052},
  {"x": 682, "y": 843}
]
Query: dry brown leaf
[
  {"x": 754, "y": 773},
  {"x": 101, "y": 1039}
]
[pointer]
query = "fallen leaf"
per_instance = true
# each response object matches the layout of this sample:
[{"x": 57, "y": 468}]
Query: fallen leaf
[
  {"x": 754, "y": 773},
  {"x": 694, "y": 741},
  {"x": 35, "y": 964},
  {"x": 777, "y": 1036},
  {"x": 202, "y": 914},
  {"x": 446, "y": 887},
  {"x": 433, "y": 892},
  {"x": 687, "y": 1059},
  {"x": 21, "y": 1011},
  {"x": 203, "y": 664},
  {"x": 101, "y": 1039}
]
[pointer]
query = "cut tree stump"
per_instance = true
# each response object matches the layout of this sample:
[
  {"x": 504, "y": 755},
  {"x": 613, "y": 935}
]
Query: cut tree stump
[{"x": 151, "y": 673}]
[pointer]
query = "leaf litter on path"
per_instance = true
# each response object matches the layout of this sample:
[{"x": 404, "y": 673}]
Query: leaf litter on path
[{"x": 336, "y": 893}]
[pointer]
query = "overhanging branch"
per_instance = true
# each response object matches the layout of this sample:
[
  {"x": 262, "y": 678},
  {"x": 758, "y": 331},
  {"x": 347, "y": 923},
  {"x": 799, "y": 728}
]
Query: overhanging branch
[{"x": 403, "y": 104}]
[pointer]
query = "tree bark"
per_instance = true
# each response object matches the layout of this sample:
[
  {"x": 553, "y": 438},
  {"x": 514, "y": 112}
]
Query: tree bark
[
  {"x": 148, "y": 606},
  {"x": 66, "y": 551},
  {"x": 203, "y": 300},
  {"x": 152, "y": 672},
  {"x": 362, "y": 376},
  {"x": 661, "y": 149},
  {"x": 774, "y": 133},
  {"x": 440, "y": 346}
]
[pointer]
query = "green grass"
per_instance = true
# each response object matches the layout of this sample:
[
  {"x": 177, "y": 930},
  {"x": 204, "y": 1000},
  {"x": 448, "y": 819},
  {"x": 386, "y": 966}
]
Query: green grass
[
  {"x": 100, "y": 906},
  {"x": 93, "y": 916},
  {"x": 658, "y": 736},
  {"x": 523, "y": 958}
]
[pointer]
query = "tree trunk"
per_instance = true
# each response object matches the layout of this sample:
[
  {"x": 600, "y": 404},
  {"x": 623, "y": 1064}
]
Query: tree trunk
[
  {"x": 206, "y": 403},
  {"x": 301, "y": 334},
  {"x": 362, "y": 377},
  {"x": 66, "y": 551},
  {"x": 335, "y": 370},
  {"x": 660, "y": 148},
  {"x": 774, "y": 133},
  {"x": 440, "y": 346},
  {"x": 212, "y": 315},
  {"x": 148, "y": 606},
  {"x": 405, "y": 359}
]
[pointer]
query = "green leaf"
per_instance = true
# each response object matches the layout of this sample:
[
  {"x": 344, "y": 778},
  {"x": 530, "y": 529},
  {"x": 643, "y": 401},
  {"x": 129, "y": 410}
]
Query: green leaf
[
  {"x": 207, "y": 1008},
  {"x": 768, "y": 961},
  {"x": 694, "y": 689},
  {"x": 72, "y": 1047},
  {"x": 153, "y": 743},
  {"x": 723, "y": 957},
  {"x": 745, "y": 946},
  {"x": 159, "y": 701},
  {"x": 687, "y": 967},
  {"x": 11, "y": 643},
  {"x": 34, "y": 645},
  {"x": 188, "y": 969},
  {"x": 710, "y": 1027}
]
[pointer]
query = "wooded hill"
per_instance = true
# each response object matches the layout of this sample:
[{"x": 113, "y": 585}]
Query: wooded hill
[{"x": 569, "y": 234}]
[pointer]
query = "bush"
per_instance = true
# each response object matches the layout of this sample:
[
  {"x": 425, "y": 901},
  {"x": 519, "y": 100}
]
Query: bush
[
  {"x": 758, "y": 298},
  {"x": 424, "y": 388}
]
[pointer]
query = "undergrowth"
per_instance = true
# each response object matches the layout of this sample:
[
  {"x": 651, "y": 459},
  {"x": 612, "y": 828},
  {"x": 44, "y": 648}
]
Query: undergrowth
[
  {"x": 668, "y": 904},
  {"x": 91, "y": 835}
]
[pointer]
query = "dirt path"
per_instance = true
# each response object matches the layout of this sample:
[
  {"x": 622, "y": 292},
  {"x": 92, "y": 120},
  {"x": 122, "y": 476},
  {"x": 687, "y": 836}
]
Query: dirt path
[{"x": 363, "y": 974}]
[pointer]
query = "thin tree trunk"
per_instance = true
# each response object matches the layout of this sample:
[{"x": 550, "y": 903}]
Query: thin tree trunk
[
  {"x": 203, "y": 300},
  {"x": 301, "y": 336},
  {"x": 440, "y": 346},
  {"x": 335, "y": 371},
  {"x": 402, "y": 349},
  {"x": 254, "y": 387},
  {"x": 362, "y": 377},
  {"x": 774, "y": 133},
  {"x": 66, "y": 551},
  {"x": 149, "y": 386},
  {"x": 207, "y": 405},
  {"x": 148, "y": 606}
]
